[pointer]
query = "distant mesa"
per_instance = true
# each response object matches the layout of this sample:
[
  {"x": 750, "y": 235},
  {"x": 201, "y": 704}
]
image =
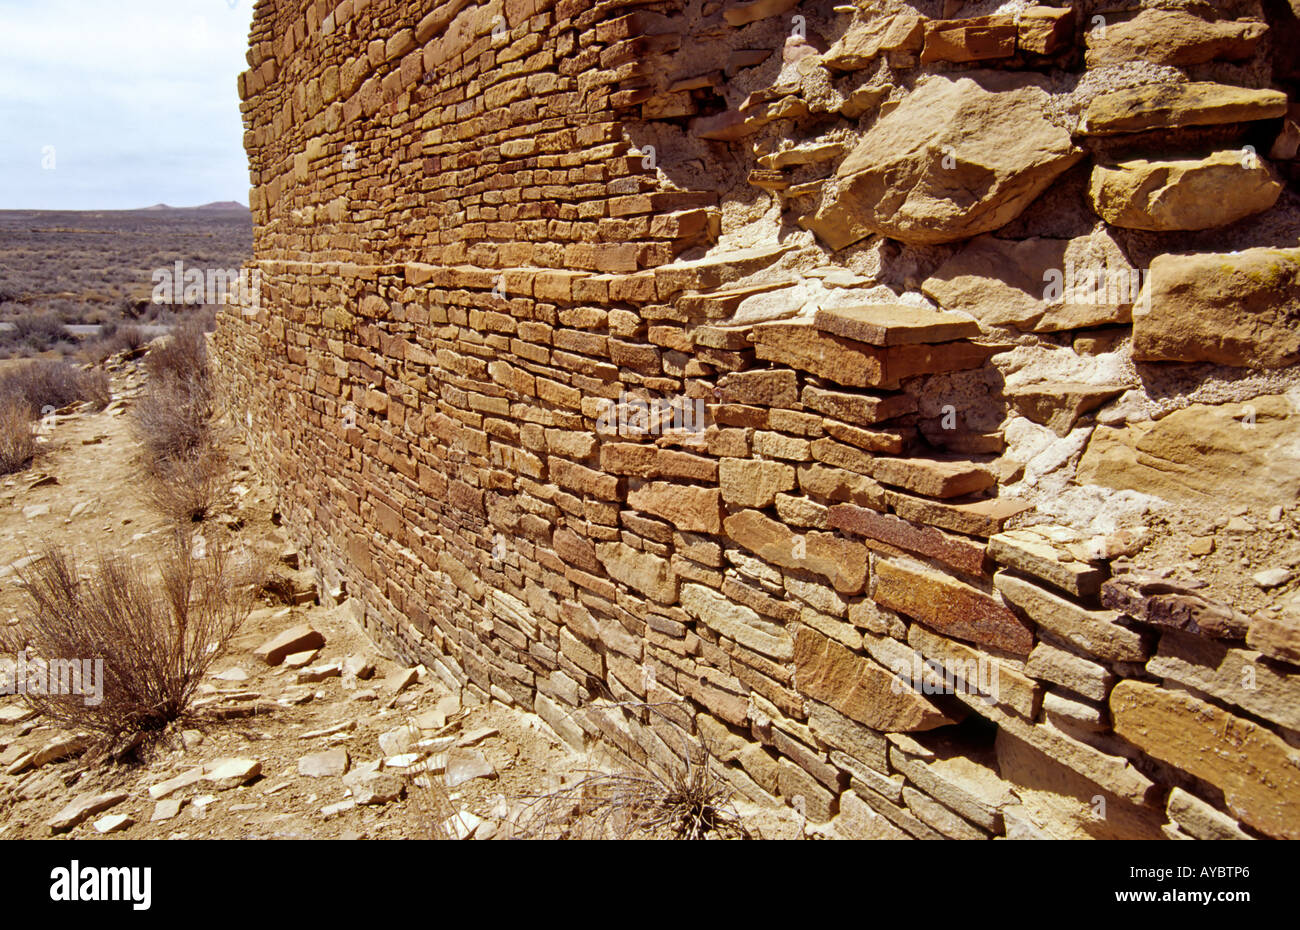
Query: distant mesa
[{"x": 215, "y": 205}]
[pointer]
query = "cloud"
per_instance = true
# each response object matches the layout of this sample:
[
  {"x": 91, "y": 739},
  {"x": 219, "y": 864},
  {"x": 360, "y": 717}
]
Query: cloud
[{"x": 130, "y": 103}]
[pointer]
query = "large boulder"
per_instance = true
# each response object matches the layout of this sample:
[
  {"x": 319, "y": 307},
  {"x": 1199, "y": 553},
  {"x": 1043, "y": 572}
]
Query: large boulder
[
  {"x": 1241, "y": 309},
  {"x": 1182, "y": 195},
  {"x": 1044, "y": 285},
  {"x": 953, "y": 160},
  {"x": 1173, "y": 37}
]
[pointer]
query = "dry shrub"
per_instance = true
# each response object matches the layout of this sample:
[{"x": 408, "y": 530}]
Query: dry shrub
[
  {"x": 688, "y": 801},
  {"x": 157, "y": 629},
  {"x": 17, "y": 440},
  {"x": 184, "y": 489},
  {"x": 51, "y": 385},
  {"x": 183, "y": 355},
  {"x": 173, "y": 419}
]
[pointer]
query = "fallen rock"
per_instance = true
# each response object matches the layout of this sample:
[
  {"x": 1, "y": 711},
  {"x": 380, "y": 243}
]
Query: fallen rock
[
  {"x": 465, "y": 765},
  {"x": 951, "y": 161},
  {"x": 301, "y": 638},
  {"x": 331, "y": 762},
  {"x": 231, "y": 773},
  {"x": 866, "y": 39},
  {"x": 378, "y": 789},
  {"x": 166, "y": 809},
  {"x": 78, "y": 809},
  {"x": 113, "y": 823},
  {"x": 1190, "y": 194},
  {"x": 1271, "y": 577}
]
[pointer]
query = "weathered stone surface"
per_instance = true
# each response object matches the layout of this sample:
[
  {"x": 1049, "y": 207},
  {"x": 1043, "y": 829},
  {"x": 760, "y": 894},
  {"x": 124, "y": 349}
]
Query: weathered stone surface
[
  {"x": 1172, "y": 106},
  {"x": 737, "y": 622},
  {"x": 1044, "y": 30},
  {"x": 1202, "y": 454},
  {"x": 301, "y": 638},
  {"x": 687, "y": 508},
  {"x": 1173, "y": 37},
  {"x": 1200, "y": 819},
  {"x": 1258, "y": 772},
  {"x": 1239, "y": 309},
  {"x": 325, "y": 764},
  {"x": 738, "y": 14},
  {"x": 859, "y": 688},
  {"x": 970, "y": 789},
  {"x": 867, "y": 38},
  {"x": 1147, "y": 597},
  {"x": 974, "y": 39},
  {"x": 1039, "y": 284},
  {"x": 753, "y": 483},
  {"x": 1047, "y": 663},
  {"x": 953, "y": 160},
  {"x": 1098, "y": 632},
  {"x": 642, "y": 571},
  {"x": 1059, "y": 404},
  {"x": 1236, "y": 676},
  {"x": 894, "y": 324},
  {"x": 1161, "y": 196},
  {"x": 842, "y": 561},
  {"x": 1034, "y": 554},
  {"x": 950, "y": 607}
]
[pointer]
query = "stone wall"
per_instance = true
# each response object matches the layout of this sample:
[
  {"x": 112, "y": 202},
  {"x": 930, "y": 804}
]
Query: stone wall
[{"x": 899, "y": 398}]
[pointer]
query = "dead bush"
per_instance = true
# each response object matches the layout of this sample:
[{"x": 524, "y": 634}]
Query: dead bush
[
  {"x": 186, "y": 488},
  {"x": 52, "y": 385},
  {"x": 17, "y": 440},
  {"x": 173, "y": 420},
  {"x": 183, "y": 355},
  {"x": 156, "y": 628},
  {"x": 689, "y": 800}
]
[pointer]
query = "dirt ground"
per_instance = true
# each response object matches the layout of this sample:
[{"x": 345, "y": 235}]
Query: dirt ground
[{"x": 84, "y": 493}]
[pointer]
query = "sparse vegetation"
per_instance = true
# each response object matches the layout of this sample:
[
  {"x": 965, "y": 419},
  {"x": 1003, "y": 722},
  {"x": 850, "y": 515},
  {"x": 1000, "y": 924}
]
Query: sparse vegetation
[
  {"x": 45, "y": 384},
  {"x": 157, "y": 630},
  {"x": 175, "y": 425},
  {"x": 688, "y": 800},
  {"x": 17, "y": 441}
]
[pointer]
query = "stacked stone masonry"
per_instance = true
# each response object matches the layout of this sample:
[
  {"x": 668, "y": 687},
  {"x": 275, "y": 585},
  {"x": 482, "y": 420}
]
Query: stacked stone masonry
[{"x": 673, "y": 364}]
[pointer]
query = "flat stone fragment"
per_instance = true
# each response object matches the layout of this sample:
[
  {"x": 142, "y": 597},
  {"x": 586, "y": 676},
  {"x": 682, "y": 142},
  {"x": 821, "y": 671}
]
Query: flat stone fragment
[
  {"x": 942, "y": 478},
  {"x": 1094, "y": 631},
  {"x": 1258, "y": 772},
  {"x": 895, "y": 324},
  {"x": 1071, "y": 672},
  {"x": 1033, "y": 554},
  {"x": 736, "y": 622},
  {"x": 1059, "y": 404},
  {"x": 1200, "y": 819},
  {"x": 466, "y": 765},
  {"x": 325, "y": 764},
  {"x": 980, "y": 518},
  {"x": 166, "y": 809},
  {"x": 1277, "y": 636},
  {"x": 301, "y": 638},
  {"x": 1178, "y": 105},
  {"x": 113, "y": 823},
  {"x": 231, "y": 773},
  {"x": 78, "y": 809}
]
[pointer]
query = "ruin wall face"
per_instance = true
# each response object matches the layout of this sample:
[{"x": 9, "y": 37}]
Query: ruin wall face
[{"x": 901, "y": 401}]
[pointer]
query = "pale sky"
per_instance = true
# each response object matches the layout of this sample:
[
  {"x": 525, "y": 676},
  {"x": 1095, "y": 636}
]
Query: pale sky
[{"x": 116, "y": 104}]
